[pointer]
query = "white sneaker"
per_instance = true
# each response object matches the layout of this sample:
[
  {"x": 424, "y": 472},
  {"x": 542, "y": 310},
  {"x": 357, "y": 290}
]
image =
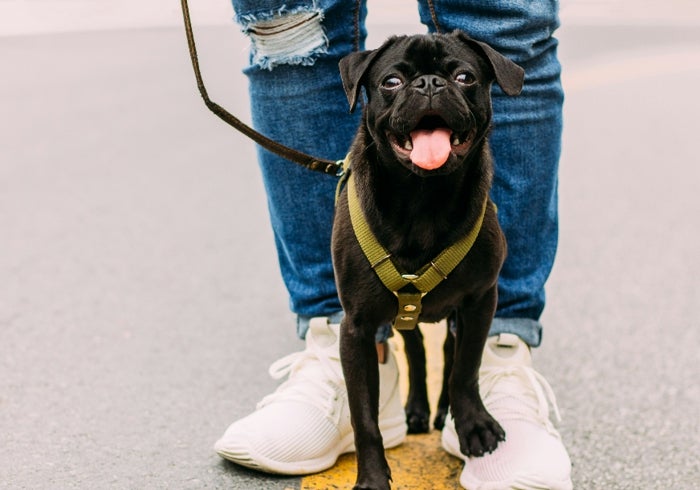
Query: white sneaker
[
  {"x": 304, "y": 425},
  {"x": 533, "y": 456}
]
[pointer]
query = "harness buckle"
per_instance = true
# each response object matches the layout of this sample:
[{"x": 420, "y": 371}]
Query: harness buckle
[{"x": 409, "y": 309}]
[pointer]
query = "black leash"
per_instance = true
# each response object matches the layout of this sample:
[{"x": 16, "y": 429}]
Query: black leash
[{"x": 318, "y": 164}]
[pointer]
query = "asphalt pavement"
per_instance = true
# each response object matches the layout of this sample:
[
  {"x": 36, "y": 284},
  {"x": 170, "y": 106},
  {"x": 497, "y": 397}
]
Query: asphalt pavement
[{"x": 140, "y": 301}]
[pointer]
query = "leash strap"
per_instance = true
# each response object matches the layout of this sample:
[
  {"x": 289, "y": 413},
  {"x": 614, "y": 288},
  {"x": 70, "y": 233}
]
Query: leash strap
[
  {"x": 317, "y": 164},
  {"x": 425, "y": 280}
]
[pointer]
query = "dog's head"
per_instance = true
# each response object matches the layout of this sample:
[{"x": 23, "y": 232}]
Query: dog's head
[{"x": 428, "y": 97}]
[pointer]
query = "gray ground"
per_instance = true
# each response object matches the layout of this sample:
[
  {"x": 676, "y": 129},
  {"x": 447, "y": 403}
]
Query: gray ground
[{"x": 140, "y": 303}]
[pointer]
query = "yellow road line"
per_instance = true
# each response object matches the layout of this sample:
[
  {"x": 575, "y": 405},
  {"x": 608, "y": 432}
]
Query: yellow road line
[{"x": 418, "y": 463}]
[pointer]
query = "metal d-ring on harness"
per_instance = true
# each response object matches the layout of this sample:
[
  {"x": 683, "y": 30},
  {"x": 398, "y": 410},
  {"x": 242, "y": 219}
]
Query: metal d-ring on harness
[{"x": 426, "y": 279}]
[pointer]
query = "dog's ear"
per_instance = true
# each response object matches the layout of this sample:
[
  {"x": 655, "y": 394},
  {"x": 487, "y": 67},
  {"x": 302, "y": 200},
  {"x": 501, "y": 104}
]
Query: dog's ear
[
  {"x": 353, "y": 69},
  {"x": 508, "y": 75}
]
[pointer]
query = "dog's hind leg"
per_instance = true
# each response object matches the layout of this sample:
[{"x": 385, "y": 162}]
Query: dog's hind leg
[
  {"x": 417, "y": 405},
  {"x": 448, "y": 352}
]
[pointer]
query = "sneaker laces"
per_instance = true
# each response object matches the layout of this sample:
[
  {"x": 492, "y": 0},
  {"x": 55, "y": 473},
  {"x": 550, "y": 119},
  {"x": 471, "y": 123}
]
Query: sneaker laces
[
  {"x": 313, "y": 371},
  {"x": 518, "y": 393}
]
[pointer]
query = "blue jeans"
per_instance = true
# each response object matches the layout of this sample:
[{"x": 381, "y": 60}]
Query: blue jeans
[{"x": 297, "y": 99}]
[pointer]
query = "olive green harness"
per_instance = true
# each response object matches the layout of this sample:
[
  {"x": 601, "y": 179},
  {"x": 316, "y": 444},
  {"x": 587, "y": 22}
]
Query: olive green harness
[{"x": 427, "y": 277}]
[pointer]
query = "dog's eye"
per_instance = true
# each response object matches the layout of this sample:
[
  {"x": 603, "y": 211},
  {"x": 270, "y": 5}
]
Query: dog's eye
[
  {"x": 392, "y": 82},
  {"x": 465, "y": 78}
]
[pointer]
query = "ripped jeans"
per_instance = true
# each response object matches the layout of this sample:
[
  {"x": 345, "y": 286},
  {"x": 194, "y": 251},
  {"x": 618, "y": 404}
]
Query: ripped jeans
[{"x": 297, "y": 99}]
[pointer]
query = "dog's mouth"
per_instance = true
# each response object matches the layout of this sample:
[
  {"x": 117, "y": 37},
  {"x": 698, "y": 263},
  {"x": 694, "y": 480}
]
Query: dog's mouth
[{"x": 431, "y": 143}]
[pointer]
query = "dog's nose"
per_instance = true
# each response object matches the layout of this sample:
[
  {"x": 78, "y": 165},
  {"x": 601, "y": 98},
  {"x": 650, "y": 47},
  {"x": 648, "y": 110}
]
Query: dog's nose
[{"x": 429, "y": 84}]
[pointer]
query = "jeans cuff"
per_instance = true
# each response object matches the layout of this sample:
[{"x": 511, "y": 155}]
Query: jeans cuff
[
  {"x": 303, "y": 322},
  {"x": 529, "y": 330},
  {"x": 383, "y": 333}
]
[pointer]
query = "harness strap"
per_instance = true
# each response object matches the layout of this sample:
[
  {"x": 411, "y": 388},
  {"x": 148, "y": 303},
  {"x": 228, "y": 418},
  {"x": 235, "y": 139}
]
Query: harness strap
[{"x": 425, "y": 280}]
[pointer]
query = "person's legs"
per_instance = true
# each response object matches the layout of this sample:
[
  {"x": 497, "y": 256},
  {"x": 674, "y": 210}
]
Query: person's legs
[
  {"x": 525, "y": 142},
  {"x": 297, "y": 99}
]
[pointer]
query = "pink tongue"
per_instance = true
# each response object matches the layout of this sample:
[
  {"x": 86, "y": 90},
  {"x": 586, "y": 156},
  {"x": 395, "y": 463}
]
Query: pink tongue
[{"x": 431, "y": 148}]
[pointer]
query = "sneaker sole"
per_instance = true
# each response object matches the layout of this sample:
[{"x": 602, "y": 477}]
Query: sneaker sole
[{"x": 393, "y": 433}]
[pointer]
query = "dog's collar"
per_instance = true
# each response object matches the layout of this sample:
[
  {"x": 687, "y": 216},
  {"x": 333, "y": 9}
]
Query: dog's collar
[{"x": 425, "y": 280}]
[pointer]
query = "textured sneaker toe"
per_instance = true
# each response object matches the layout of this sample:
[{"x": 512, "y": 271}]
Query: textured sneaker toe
[
  {"x": 265, "y": 440},
  {"x": 515, "y": 465}
]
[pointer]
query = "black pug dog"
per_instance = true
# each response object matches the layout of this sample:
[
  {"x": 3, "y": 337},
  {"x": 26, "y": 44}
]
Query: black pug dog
[{"x": 421, "y": 172}]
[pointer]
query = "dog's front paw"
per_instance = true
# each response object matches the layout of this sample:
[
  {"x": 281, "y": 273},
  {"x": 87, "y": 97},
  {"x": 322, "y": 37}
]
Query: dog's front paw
[
  {"x": 372, "y": 474},
  {"x": 381, "y": 484},
  {"x": 479, "y": 434},
  {"x": 370, "y": 487}
]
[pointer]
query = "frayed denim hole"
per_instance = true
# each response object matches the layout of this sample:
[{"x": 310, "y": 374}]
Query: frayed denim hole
[{"x": 287, "y": 38}]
